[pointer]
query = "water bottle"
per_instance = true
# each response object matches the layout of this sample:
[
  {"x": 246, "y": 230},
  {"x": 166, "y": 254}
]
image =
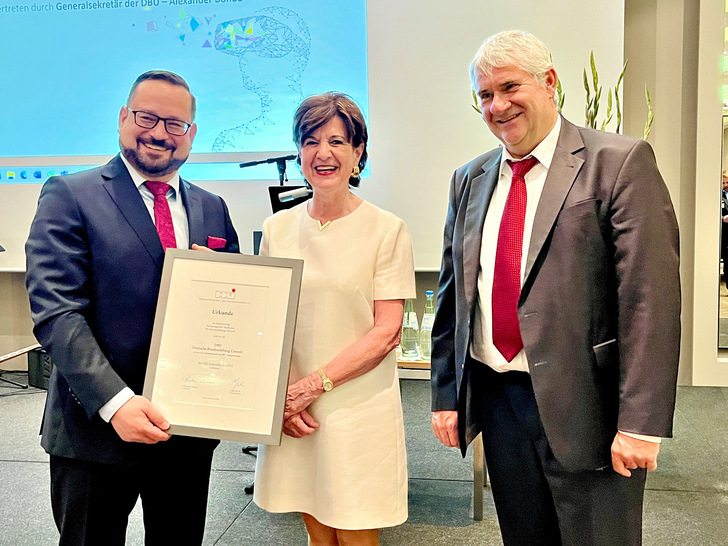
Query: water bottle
[
  {"x": 410, "y": 331},
  {"x": 428, "y": 318}
]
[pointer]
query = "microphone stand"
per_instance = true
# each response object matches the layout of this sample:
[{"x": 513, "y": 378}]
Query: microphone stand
[
  {"x": 281, "y": 164},
  {"x": 279, "y": 161},
  {"x": 277, "y": 195}
]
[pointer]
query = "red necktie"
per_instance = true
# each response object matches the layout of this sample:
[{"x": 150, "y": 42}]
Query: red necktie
[
  {"x": 507, "y": 272},
  {"x": 162, "y": 215}
]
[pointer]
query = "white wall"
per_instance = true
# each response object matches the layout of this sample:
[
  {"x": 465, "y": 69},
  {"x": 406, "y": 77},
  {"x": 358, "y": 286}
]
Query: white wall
[{"x": 422, "y": 124}]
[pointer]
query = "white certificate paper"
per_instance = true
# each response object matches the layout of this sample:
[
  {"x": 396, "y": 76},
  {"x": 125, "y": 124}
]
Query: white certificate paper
[{"x": 221, "y": 347}]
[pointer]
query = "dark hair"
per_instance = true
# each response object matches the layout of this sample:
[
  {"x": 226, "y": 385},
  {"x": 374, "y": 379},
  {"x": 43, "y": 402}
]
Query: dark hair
[
  {"x": 166, "y": 76},
  {"x": 317, "y": 110}
]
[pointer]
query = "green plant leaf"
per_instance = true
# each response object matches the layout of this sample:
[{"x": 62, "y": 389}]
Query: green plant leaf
[
  {"x": 595, "y": 107},
  {"x": 560, "y": 96},
  {"x": 621, "y": 76},
  {"x": 595, "y": 74},
  {"x": 650, "y": 114},
  {"x": 476, "y": 106},
  {"x": 606, "y": 120},
  {"x": 619, "y": 113}
]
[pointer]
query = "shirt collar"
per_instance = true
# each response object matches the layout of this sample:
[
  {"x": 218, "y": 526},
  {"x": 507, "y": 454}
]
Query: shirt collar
[
  {"x": 544, "y": 152},
  {"x": 139, "y": 179}
]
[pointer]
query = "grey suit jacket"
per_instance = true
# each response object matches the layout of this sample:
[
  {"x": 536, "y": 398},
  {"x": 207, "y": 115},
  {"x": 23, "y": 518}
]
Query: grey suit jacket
[
  {"x": 94, "y": 264},
  {"x": 600, "y": 304}
]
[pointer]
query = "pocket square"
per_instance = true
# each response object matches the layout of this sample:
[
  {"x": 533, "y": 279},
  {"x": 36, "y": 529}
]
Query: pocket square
[{"x": 214, "y": 243}]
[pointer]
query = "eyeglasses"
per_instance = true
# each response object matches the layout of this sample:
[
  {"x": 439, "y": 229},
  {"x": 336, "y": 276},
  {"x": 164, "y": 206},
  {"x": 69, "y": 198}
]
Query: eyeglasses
[{"x": 148, "y": 120}]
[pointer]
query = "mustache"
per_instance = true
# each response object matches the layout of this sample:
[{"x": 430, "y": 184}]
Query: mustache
[{"x": 161, "y": 143}]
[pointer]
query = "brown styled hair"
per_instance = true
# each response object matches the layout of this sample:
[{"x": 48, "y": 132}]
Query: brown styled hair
[{"x": 317, "y": 110}]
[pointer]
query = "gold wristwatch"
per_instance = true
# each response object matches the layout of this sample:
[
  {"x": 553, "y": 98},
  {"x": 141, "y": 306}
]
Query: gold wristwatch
[{"x": 328, "y": 384}]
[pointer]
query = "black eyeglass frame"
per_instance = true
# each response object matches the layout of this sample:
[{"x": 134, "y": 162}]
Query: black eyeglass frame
[{"x": 159, "y": 118}]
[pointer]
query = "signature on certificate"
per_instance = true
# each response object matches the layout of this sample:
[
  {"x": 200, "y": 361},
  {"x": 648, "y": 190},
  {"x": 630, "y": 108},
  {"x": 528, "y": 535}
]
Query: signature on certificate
[{"x": 238, "y": 385}]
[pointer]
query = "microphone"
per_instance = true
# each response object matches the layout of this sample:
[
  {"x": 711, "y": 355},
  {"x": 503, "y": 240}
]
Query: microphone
[
  {"x": 281, "y": 159},
  {"x": 290, "y": 195}
]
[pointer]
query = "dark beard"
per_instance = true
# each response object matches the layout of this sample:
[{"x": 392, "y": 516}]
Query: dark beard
[{"x": 155, "y": 169}]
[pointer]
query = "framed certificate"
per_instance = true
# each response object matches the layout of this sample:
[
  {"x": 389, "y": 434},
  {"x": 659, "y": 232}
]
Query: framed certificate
[{"x": 221, "y": 346}]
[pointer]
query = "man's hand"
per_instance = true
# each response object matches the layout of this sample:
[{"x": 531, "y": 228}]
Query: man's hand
[
  {"x": 138, "y": 420},
  {"x": 445, "y": 425},
  {"x": 630, "y": 453}
]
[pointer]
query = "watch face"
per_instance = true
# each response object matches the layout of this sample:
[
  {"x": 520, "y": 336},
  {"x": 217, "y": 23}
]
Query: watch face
[{"x": 326, "y": 383}]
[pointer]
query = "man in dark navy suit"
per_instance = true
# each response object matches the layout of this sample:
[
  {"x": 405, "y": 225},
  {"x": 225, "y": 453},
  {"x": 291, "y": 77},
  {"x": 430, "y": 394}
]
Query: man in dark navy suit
[{"x": 94, "y": 263}]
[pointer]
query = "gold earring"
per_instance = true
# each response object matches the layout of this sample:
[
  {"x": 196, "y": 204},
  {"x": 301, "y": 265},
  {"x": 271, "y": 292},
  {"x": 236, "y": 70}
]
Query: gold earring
[{"x": 355, "y": 172}]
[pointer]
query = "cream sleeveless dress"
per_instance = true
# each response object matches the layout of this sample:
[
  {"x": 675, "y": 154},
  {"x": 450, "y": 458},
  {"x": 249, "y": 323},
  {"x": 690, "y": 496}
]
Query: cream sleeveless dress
[{"x": 352, "y": 472}]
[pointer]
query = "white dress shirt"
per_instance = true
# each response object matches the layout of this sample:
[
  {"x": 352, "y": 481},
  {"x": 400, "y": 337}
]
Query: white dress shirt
[{"x": 481, "y": 347}]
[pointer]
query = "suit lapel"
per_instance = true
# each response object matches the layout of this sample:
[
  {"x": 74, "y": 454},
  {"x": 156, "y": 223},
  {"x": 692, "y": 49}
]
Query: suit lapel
[
  {"x": 481, "y": 190},
  {"x": 126, "y": 196},
  {"x": 564, "y": 169},
  {"x": 191, "y": 201}
]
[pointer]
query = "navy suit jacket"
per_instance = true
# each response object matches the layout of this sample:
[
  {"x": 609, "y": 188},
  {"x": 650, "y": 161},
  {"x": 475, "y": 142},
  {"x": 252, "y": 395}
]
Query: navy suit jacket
[
  {"x": 599, "y": 308},
  {"x": 94, "y": 264}
]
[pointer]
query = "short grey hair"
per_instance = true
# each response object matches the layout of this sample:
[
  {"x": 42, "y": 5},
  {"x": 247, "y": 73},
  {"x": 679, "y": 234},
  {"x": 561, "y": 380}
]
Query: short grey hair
[{"x": 512, "y": 48}]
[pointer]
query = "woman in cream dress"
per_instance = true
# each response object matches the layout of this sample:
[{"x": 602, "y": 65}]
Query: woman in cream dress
[{"x": 342, "y": 461}]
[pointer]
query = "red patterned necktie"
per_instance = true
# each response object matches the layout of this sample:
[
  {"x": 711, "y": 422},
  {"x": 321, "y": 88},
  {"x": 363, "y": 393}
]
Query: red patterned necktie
[
  {"x": 507, "y": 272},
  {"x": 162, "y": 215}
]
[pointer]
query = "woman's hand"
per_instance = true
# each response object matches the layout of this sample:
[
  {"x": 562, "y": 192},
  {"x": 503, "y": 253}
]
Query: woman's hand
[
  {"x": 299, "y": 425},
  {"x": 300, "y": 395}
]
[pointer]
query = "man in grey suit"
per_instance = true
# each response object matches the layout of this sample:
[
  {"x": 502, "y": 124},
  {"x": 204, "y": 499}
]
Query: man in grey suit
[
  {"x": 94, "y": 264},
  {"x": 558, "y": 315}
]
